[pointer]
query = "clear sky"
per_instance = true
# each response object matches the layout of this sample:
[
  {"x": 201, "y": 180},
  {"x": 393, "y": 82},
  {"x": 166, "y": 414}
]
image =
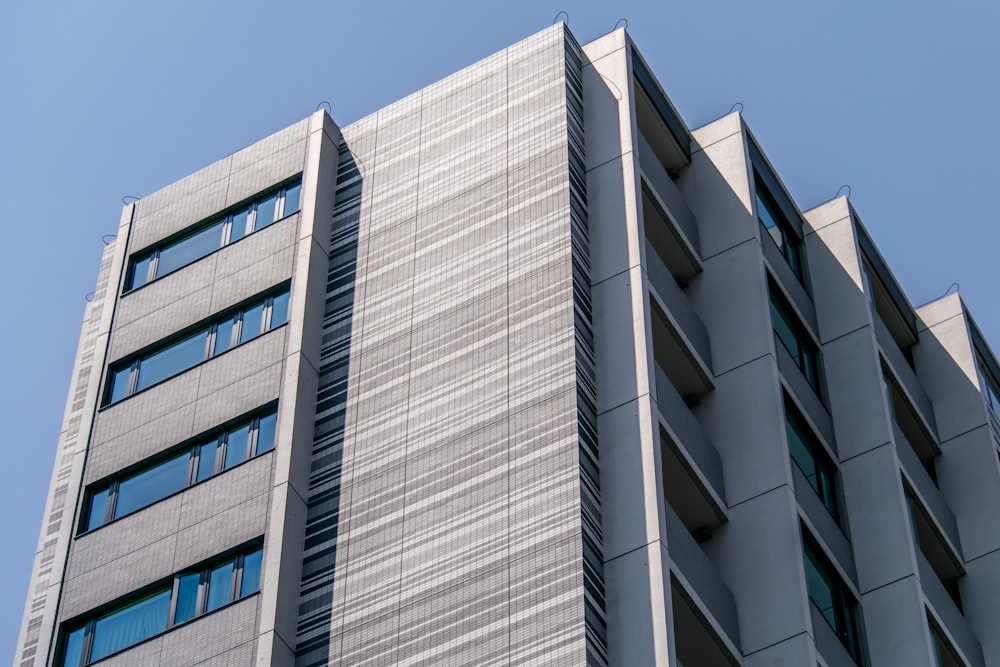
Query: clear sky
[{"x": 899, "y": 99}]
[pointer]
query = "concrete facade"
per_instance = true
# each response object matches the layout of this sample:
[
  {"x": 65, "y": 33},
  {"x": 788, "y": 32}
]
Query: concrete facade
[{"x": 562, "y": 382}]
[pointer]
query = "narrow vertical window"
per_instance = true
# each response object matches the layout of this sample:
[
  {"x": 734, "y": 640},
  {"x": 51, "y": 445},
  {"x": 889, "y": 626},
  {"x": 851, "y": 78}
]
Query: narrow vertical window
[{"x": 291, "y": 204}]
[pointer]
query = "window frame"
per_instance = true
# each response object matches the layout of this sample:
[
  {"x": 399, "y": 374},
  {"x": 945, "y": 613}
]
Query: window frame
[
  {"x": 209, "y": 328},
  {"x": 791, "y": 244},
  {"x": 809, "y": 355},
  {"x": 152, "y": 253},
  {"x": 827, "y": 471},
  {"x": 88, "y": 622},
  {"x": 846, "y": 608},
  {"x": 193, "y": 448}
]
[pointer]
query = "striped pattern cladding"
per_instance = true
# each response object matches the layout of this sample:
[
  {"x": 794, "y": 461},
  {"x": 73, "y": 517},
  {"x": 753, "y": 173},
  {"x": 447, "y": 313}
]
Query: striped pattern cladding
[
  {"x": 451, "y": 529},
  {"x": 323, "y": 507},
  {"x": 590, "y": 488}
]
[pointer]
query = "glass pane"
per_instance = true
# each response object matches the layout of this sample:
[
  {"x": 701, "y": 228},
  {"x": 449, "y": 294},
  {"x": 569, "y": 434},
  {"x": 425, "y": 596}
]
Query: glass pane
[
  {"x": 279, "y": 310},
  {"x": 265, "y": 433},
  {"x": 156, "y": 483},
  {"x": 239, "y": 227},
  {"x": 801, "y": 454},
  {"x": 266, "y": 209},
  {"x": 220, "y": 582},
  {"x": 119, "y": 384},
  {"x": 820, "y": 588},
  {"x": 190, "y": 249},
  {"x": 130, "y": 625},
  {"x": 785, "y": 332},
  {"x": 252, "y": 322},
  {"x": 72, "y": 647},
  {"x": 251, "y": 574},
  {"x": 187, "y": 597},
  {"x": 140, "y": 272},
  {"x": 292, "y": 199},
  {"x": 206, "y": 460},
  {"x": 98, "y": 507},
  {"x": 767, "y": 219},
  {"x": 175, "y": 359},
  {"x": 236, "y": 446},
  {"x": 224, "y": 336}
]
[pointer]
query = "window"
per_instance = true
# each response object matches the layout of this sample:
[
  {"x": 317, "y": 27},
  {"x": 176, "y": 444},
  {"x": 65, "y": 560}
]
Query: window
[
  {"x": 809, "y": 455},
  {"x": 988, "y": 385},
  {"x": 206, "y": 238},
  {"x": 186, "y": 596},
  {"x": 128, "y": 376},
  {"x": 778, "y": 227},
  {"x": 211, "y": 455},
  {"x": 793, "y": 336},
  {"x": 830, "y": 596}
]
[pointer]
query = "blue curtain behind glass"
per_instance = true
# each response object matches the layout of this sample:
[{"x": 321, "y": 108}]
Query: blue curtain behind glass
[{"x": 131, "y": 625}]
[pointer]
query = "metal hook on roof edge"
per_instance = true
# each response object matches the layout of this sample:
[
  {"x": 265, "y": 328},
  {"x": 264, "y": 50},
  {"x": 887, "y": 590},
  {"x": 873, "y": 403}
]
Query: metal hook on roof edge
[
  {"x": 108, "y": 238},
  {"x": 841, "y": 189},
  {"x": 733, "y": 108},
  {"x": 129, "y": 199},
  {"x": 948, "y": 291},
  {"x": 619, "y": 23},
  {"x": 556, "y": 19},
  {"x": 89, "y": 297},
  {"x": 329, "y": 107}
]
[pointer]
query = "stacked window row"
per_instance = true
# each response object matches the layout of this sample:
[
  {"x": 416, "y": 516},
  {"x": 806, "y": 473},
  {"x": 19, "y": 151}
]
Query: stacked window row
[
  {"x": 128, "y": 376},
  {"x": 185, "y": 597},
  {"x": 205, "y": 239},
  {"x": 151, "y": 483}
]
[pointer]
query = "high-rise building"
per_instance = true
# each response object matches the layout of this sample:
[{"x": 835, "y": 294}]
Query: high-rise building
[{"x": 519, "y": 370}]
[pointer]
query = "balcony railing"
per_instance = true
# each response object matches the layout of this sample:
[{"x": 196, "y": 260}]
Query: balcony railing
[
  {"x": 701, "y": 575},
  {"x": 690, "y": 435},
  {"x": 678, "y": 306},
  {"x": 929, "y": 493},
  {"x": 903, "y": 371},
  {"x": 660, "y": 182},
  {"x": 951, "y": 618},
  {"x": 828, "y": 644},
  {"x": 823, "y": 522}
]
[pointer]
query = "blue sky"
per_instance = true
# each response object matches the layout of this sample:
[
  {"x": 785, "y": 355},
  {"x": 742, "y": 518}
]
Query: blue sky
[{"x": 104, "y": 99}]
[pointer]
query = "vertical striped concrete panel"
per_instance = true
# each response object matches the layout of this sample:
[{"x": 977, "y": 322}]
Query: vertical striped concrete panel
[{"x": 446, "y": 520}]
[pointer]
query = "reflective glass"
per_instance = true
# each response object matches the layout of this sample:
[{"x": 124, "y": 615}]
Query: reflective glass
[
  {"x": 279, "y": 310},
  {"x": 154, "y": 484},
  {"x": 252, "y": 322},
  {"x": 251, "y": 574},
  {"x": 130, "y": 625},
  {"x": 98, "y": 507},
  {"x": 220, "y": 583},
  {"x": 292, "y": 199},
  {"x": 140, "y": 272},
  {"x": 241, "y": 220},
  {"x": 801, "y": 454},
  {"x": 119, "y": 384},
  {"x": 223, "y": 336},
  {"x": 766, "y": 216},
  {"x": 190, "y": 249},
  {"x": 266, "y": 210},
  {"x": 237, "y": 444},
  {"x": 265, "y": 433},
  {"x": 175, "y": 359},
  {"x": 820, "y": 588},
  {"x": 206, "y": 461},
  {"x": 187, "y": 597},
  {"x": 72, "y": 647}
]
